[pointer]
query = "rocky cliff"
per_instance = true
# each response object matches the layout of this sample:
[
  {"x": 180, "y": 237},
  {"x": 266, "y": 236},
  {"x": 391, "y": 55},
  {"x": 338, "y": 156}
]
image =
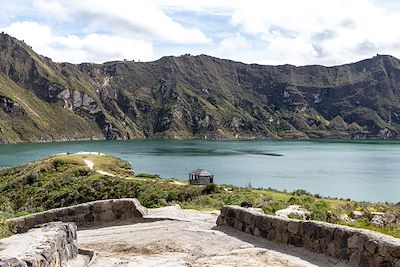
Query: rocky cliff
[{"x": 193, "y": 97}]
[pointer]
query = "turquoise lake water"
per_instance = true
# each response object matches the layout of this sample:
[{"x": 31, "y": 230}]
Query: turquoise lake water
[{"x": 360, "y": 170}]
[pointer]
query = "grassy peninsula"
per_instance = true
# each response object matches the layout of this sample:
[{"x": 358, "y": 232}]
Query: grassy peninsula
[{"x": 64, "y": 180}]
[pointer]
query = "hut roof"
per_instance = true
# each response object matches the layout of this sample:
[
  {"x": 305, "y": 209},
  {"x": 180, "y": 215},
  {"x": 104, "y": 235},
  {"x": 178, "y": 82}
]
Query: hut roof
[{"x": 201, "y": 172}]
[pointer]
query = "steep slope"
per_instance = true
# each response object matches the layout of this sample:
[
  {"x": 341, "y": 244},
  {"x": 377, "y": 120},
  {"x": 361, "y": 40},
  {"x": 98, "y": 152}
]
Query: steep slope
[{"x": 193, "y": 97}]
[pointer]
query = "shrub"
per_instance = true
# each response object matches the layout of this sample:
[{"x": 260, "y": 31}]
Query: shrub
[
  {"x": 300, "y": 192},
  {"x": 81, "y": 171},
  {"x": 5, "y": 229},
  {"x": 210, "y": 189},
  {"x": 153, "y": 201},
  {"x": 148, "y": 176},
  {"x": 33, "y": 177},
  {"x": 295, "y": 216},
  {"x": 59, "y": 164},
  {"x": 6, "y": 205},
  {"x": 319, "y": 211},
  {"x": 273, "y": 206}
]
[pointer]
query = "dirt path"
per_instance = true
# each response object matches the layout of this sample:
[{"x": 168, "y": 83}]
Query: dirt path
[
  {"x": 190, "y": 238},
  {"x": 90, "y": 165}
]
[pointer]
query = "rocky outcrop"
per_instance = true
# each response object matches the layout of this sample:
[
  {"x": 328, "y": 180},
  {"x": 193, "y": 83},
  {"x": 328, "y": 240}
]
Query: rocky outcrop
[
  {"x": 355, "y": 214},
  {"x": 11, "y": 107},
  {"x": 294, "y": 211},
  {"x": 84, "y": 215},
  {"x": 50, "y": 246},
  {"x": 357, "y": 247},
  {"x": 77, "y": 100}
]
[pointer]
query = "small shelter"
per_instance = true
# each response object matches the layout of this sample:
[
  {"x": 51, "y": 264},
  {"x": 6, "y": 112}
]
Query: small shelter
[{"x": 201, "y": 177}]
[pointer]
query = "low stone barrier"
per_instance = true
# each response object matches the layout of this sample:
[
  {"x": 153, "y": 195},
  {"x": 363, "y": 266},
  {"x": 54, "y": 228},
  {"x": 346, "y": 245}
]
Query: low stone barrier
[
  {"x": 356, "y": 246},
  {"x": 84, "y": 215},
  {"x": 52, "y": 245}
]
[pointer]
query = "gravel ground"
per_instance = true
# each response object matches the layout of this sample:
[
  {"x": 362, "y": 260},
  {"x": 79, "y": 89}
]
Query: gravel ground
[{"x": 175, "y": 237}]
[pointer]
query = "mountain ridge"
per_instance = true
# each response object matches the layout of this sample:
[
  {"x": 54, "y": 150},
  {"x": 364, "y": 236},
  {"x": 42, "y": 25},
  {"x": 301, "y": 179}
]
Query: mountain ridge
[{"x": 187, "y": 97}]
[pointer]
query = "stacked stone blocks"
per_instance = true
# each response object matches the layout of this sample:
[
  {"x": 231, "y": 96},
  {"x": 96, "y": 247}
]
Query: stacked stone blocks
[
  {"x": 84, "y": 215},
  {"x": 59, "y": 246},
  {"x": 356, "y": 246}
]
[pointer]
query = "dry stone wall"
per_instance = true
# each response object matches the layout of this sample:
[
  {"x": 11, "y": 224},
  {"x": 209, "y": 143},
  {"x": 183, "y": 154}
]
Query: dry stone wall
[
  {"x": 52, "y": 245},
  {"x": 357, "y": 247},
  {"x": 84, "y": 215}
]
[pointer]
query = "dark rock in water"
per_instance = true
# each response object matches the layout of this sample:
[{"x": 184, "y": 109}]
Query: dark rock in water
[{"x": 194, "y": 97}]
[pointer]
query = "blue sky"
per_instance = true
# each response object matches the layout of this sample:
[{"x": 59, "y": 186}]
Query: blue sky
[{"x": 327, "y": 32}]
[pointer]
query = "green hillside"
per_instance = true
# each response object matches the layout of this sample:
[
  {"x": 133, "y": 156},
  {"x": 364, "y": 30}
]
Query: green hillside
[
  {"x": 64, "y": 180},
  {"x": 193, "y": 97}
]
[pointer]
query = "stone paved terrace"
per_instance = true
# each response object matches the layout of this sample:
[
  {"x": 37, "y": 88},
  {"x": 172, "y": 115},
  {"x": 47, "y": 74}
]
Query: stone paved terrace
[
  {"x": 175, "y": 237},
  {"x": 171, "y": 236}
]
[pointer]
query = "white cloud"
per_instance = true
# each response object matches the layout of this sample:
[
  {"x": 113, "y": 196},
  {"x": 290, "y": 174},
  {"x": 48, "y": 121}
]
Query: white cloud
[
  {"x": 288, "y": 29},
  {"x": 92, "y": 47},
  {"x": 135, "y": 19},
  {"x": 284, "y": 31},
  {"x": 52, "y": 9},
  {"x": 139, "y": 18},
  {"x": 254, "y": 31},
  {"x": 37, "y": 35},
  {"x": 235, "y": 47},
  {"x": 101, "y": 48}
]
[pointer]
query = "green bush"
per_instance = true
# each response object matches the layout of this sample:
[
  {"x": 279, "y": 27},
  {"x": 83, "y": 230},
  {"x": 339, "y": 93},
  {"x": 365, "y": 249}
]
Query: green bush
[
  {"x": 5, "y": 229},
  {"x": 148, "y": 176},
  {"x": 59, "y": 164},
  {"x": 273, "y": 206},
  {"x": 210, "y": 189},
  {"x": 5, "y": 205},
  {"x": 300, "y": 192},
  {"x": 319, "y": 211},
  {"x": 33, "y": 177}
]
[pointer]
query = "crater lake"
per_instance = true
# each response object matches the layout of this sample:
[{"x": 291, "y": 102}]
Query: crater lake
[{"x": 360, "y": 170}]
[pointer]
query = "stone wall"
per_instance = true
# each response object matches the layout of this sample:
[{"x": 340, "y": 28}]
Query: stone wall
[
  {"x": 84, "y": 215},
  {"x": 52, "y": 245},
  {"x": 358, "y": 247}
]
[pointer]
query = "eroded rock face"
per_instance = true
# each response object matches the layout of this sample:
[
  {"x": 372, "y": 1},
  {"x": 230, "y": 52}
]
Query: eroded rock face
[
  {"x": 11, "y": 107},
  {"x": 76, "y": 100}
]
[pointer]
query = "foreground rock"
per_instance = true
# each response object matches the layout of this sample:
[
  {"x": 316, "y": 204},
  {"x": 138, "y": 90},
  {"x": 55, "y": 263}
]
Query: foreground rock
[
  {"x": 294, "y": 211},
  {"x": 355, "y": 214},
  {"x": 52, "y": 245}
]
